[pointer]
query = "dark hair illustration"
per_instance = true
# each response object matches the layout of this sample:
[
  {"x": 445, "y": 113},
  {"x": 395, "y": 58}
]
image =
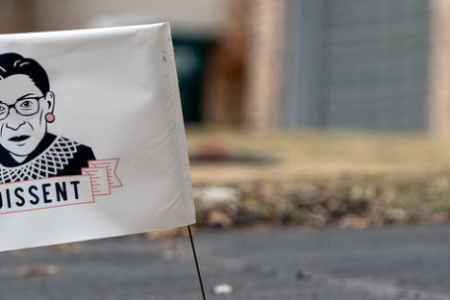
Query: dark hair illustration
[
  {"x": 14, "y": 64},
  {"x": 27, "y": 150}
]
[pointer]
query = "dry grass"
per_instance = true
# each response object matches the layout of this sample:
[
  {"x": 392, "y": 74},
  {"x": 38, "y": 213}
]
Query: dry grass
[
  {"x": 316, "y": 155},
  {"x": 354, "y": 180}
]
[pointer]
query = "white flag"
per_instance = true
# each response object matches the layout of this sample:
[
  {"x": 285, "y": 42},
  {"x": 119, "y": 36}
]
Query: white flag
[{"x": 92, "y": 140}]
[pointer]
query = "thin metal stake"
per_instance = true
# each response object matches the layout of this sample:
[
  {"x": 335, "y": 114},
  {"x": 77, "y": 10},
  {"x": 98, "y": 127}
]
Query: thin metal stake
[{"x": 196, "y": 263}]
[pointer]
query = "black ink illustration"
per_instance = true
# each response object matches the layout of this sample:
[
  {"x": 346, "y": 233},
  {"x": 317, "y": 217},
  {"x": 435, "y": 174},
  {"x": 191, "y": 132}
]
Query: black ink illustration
[{"x": 27, "y": 150}]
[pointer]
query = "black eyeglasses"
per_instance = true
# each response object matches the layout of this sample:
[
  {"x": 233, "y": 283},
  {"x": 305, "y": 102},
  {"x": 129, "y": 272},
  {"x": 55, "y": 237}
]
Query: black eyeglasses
[{"x": 24, "y": 107}]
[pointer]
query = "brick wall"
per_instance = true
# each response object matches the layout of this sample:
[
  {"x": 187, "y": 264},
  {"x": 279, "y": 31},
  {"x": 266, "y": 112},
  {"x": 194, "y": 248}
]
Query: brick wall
[
  {"x": 244, "y": 76},
  {"x": 224, "y": 76},
  {"x": 262, "y": 95},
  {"x": 439, "y": 89}
]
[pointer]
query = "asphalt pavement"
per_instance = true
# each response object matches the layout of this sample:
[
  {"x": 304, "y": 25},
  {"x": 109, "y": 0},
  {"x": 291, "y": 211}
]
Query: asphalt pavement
[{"x": 408, "y": 262}]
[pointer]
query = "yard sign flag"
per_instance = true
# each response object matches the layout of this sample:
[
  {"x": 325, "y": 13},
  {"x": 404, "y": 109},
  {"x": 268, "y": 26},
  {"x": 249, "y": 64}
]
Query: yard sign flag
[{"x": 91, "y": 136}]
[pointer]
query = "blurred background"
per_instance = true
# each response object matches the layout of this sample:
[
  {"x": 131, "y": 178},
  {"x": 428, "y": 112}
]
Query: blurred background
[{"x": 308, "y": 112}]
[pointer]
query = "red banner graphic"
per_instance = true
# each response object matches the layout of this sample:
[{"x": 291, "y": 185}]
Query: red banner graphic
[{"x": 103, "y": 175}]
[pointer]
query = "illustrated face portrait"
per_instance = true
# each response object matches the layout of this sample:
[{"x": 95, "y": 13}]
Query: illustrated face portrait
[{"x": 23, "y": 108}]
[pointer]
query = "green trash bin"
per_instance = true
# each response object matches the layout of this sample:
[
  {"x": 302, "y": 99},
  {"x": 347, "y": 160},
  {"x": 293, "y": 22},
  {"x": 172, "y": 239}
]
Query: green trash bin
[{"x": 190, "y": 57}]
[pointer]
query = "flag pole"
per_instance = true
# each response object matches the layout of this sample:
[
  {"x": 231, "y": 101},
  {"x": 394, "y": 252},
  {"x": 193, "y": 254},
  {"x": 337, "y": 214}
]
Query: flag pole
[{"x": 196, "y": 263}]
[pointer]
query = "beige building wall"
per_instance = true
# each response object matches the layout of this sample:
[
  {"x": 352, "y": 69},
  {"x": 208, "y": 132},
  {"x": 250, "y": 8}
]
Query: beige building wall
[
  {"x": 255, "y": 74},
  {"x": 47, "y": 15},
  {"x": 262, "y": 95},
  {"x": 16, "y": 16},
  {"x": 439, "y": 86}
]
